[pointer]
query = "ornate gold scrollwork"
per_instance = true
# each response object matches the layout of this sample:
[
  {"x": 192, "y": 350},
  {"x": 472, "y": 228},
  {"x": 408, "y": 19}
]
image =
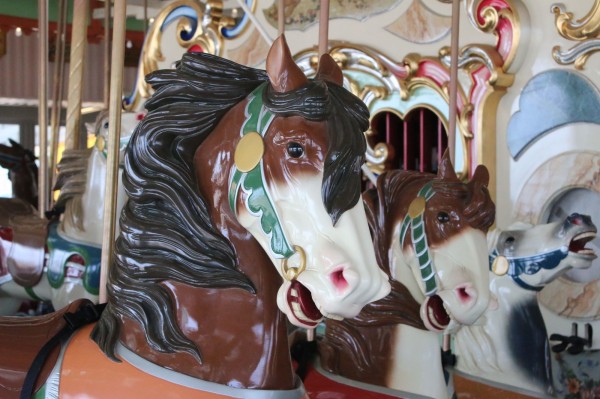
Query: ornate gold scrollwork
[
  {"x": 585, "y": 30},
  {"x": 205, "y": 35}
]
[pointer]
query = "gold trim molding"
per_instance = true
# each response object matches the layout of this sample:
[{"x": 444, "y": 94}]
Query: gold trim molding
[{"x": 585, "y": 30}]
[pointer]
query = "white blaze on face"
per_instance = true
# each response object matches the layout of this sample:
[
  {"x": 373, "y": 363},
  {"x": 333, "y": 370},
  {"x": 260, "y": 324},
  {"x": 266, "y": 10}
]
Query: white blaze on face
[
  {"x": 341, "y": 274},
  {"x": 461, "y": 266}
]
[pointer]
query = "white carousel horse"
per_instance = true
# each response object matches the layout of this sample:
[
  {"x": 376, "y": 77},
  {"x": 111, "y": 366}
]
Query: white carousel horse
[
  {"x": 430, "y": 237},
  {"x": 509, "y": 348},
  {"x": 59, "y": 261}
]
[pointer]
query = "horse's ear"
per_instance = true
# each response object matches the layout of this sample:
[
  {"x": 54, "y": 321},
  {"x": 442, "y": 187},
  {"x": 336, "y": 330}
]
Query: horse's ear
[
  {"x": 329, "y": 70},
  {"x": 481, "y": 176},
  {"x": 283, "y": 72},
  {"x": 14, "y": 143},
  {"x": 445, "y": 168}
]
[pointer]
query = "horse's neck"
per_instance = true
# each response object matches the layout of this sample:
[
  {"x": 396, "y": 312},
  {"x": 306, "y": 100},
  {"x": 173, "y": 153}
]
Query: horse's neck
[
  {"x": 417, "y": 364},
  {"x": 242, "y": 336},
  {"x": 24, "y": 184},
  {"x": 92, "y": 203},
  {"x": 490, "y": 348}
]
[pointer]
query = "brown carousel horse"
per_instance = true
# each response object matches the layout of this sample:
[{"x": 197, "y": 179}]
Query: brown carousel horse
[
  {"x": 243, "y": 209},
  {"x": 392, "y": 349},
  {"x": 22, "y": 171}
]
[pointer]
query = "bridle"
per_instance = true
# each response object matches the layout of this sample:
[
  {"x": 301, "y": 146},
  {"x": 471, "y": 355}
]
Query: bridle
[
  {"x": 248, "y": 176},
  {"x": 414, "y": 220}
]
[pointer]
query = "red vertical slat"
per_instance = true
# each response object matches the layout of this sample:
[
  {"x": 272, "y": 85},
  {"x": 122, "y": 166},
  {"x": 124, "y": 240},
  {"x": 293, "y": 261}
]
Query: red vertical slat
[
  {"x": 405, "y": 143},
  {"x": 421, "y": 140}
]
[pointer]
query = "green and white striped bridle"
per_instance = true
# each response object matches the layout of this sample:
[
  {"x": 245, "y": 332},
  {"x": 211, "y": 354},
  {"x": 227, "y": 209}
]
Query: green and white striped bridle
[
  {"x": 248, "y": 175},
  {"x": 414, "y": 220}
]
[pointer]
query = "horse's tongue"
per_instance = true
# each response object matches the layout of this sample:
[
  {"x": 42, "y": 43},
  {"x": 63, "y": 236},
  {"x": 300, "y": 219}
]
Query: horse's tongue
[
  {"x": 304, "y": 299},
  {"x": 441, "y": 318}
]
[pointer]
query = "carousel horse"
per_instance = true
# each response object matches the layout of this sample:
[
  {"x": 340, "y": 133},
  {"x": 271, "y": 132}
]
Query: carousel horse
[
  {"x": 243, "y": 208},
  {"x": 429, "y": 237},
  {"x": 59, "y": 260},
  {"x": 22, "y": 171},
  {"x": 510, "y": 349}
]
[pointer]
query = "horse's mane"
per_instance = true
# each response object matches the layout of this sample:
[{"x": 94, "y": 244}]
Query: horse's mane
[
  {"x": 166, "y": 229},
  {"x": 71, "y": 180}
]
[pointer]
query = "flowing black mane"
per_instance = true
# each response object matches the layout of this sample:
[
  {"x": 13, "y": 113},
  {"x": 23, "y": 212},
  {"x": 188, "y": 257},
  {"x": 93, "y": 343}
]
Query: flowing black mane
[{"x": 166, "y": 229}]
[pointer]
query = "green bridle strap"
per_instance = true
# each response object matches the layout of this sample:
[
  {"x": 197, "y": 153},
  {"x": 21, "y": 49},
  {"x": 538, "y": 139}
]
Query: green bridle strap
[
  {"x": 258, "y": 201},
  {"x": 419, "y": 241}
]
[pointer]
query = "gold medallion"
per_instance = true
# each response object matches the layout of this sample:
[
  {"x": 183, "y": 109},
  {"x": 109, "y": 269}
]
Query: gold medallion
[
  {"x": 249, "y": 152},
  {"x": 416, "y": 207}
]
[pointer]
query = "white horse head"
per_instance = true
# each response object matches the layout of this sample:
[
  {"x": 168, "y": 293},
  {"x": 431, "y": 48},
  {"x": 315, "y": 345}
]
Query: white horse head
[{"x": 534, "y": 256}]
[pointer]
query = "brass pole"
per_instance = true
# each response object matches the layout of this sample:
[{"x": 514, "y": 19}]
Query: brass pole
[
  {"x": 106, "y": 94},
  {"x": 280, "y": 17},
  {"x": 59, "y": 67},
  {"x": 114, "y": 129},
  {"x": 453, "y": 90},
  {"x": 324, "y": 27},
  {"x": 78, "y": 48},
  {"x": 43, "y": 106}
]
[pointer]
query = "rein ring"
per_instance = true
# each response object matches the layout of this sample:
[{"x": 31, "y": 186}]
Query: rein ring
[{"x": 292, "y": 273}]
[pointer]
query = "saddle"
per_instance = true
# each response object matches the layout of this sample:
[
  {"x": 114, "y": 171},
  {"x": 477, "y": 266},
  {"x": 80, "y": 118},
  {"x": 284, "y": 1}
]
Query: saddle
[{"x": 22, "y": 338}]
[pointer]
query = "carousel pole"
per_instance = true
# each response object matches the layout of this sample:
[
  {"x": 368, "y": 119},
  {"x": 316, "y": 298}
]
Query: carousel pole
[
  {"x": 453, "y": 93},
  {"x": 255, "y": 21},
  {"x": 57, "y": 90},
  {"x": 43, "y": 107},
  {"x": 453, "y": 90},
  {"x": 78, "y": 46},
  {"x": 324, "y": 27},
  {"x": 114, "y": 128},
  {"x": 106, "y": 94},
  {"x": 280, "y": 18}
]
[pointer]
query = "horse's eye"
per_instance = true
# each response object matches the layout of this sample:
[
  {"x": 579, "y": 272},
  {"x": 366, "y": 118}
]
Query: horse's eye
[
  {"x": 509, "y": 240},
  {"x": 295, "y": 150},
  {"x": 105, "y": 126},
  {"x": 443, "y": 217}
]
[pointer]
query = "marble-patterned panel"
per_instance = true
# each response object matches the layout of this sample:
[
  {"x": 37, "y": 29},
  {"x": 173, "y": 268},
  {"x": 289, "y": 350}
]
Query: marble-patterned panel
[{"x": 420, "y": 25}]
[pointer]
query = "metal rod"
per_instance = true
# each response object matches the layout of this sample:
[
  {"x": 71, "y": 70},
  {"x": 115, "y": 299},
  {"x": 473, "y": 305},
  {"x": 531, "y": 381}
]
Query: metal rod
[
  {"x": 453, "y": 90},
  {"x": 106, "y": 94},
  {"x": 114, "y": 129},
  {"x": 256, "y": 22},
  {"x": 324, "y": 27},
  {"x": 78, "y": 48},
  {"x": 58, "y": 80},
  {"x": 280, "y": 17},
  {"x": 43, "y": 107}
]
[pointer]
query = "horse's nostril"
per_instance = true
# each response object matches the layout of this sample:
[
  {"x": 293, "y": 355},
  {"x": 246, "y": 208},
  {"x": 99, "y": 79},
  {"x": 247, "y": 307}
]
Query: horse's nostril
[
  {"x": 338, "y": 279},
  {"x": 465, "y": 294}
]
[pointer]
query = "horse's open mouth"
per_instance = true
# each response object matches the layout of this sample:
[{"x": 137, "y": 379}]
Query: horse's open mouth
[
  {"x": 302, "y": 305},
  {"x": 577, "y": 244},
  {"x": 434, "y": 314}
]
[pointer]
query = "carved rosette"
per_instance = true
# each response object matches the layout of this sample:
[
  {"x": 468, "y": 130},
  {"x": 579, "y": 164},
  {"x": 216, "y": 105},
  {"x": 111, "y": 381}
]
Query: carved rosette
[
  {"x": 198, "y": 28},
  {"x": 585, "y": 30}
]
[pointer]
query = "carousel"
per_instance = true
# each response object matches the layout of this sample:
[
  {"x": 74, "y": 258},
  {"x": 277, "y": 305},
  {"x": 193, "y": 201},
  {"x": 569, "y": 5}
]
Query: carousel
[{"x": 419, "y": 177}]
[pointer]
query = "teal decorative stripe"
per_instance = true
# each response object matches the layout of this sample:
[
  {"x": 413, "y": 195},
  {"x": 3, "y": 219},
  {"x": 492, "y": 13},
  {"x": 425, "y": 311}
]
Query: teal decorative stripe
[
  {"x": 258, "y": 202},
  {"x": 32, "y": 294}
]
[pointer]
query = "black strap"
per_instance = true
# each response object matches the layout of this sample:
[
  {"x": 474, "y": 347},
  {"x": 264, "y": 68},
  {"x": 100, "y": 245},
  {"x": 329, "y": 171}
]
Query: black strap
[{"x": 86, "y": 314}]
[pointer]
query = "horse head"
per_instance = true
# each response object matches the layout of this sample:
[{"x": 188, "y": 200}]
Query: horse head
[
  {"x": 435, "y": 230},
  {"x": 22, "y": 171},
  {"x": 246, "y": 179},
  {"x": 534, "y": 256},
  {"x": 316, "y": 230},
  {"x": 99, "y": 128}
]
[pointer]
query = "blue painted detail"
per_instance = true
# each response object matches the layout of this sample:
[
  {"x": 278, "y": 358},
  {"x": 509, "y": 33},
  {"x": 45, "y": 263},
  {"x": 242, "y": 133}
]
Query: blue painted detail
[
  {"x": 232, "y": 32},
  {"x": 530, "y": 265},
  {"x": 550, "y": 100},
  {"x": 61, "y": 250},
  {"x": 181, "y": 11}
]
